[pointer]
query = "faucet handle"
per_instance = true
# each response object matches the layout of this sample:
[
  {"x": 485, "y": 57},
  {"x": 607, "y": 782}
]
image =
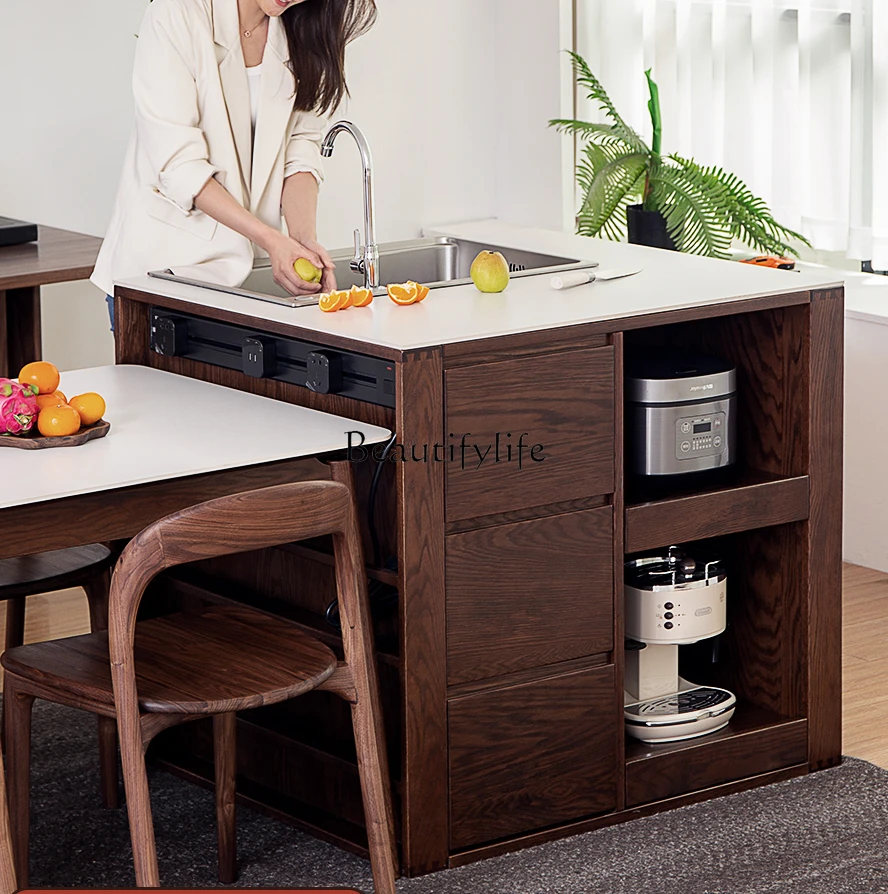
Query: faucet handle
[{"x": 357, "y": 262}]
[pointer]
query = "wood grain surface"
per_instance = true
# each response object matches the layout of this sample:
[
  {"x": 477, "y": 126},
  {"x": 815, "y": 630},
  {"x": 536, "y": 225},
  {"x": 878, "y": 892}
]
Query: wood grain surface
[
  {"x": 420, "y": 526},
  {"x": 564, "y": 402},
  {"x": 529, "y": 594},
  {"x": 56, "y": 256},
  {"x": 532, "y": 756},
  {"x": 40, "y": 442}
]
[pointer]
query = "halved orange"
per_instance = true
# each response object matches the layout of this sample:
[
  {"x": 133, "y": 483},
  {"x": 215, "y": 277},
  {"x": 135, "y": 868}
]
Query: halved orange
[
  {"x": 404, "y": 293},
  {"x": 331, "y": 301},
  {"x": 361, "y": 297}
]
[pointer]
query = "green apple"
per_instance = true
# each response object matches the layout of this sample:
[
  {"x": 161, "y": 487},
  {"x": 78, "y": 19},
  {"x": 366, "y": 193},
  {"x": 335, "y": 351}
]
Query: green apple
[
  {"x": 306, "y": 270},
  {"x": 490, "y": 272}
]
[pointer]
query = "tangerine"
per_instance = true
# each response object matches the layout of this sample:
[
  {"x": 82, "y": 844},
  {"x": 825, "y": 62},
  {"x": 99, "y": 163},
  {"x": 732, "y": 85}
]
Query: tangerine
[
  {"x": 54, "y": 422},
  {"x": 404, "y": 293},
  {"x": 361, "y": 297},
  {"x": 40, "y": 373},
  {"x": 90, "y": 407},
  {"x": 331, "y": 301},
  {"x": 56, "y": 399}
]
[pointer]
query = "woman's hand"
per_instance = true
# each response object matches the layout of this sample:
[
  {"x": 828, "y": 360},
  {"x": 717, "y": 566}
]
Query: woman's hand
[
  {"x": 284, "y": 251},
  {"x": 328, "y": 268}
]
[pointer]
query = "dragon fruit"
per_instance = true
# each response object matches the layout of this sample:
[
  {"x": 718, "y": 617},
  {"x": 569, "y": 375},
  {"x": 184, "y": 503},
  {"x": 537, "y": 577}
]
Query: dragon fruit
[{"x": 18, "y": 407}]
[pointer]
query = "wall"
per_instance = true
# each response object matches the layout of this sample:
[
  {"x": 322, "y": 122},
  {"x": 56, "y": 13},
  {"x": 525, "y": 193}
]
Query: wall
[{"x": 454, "y": 98}]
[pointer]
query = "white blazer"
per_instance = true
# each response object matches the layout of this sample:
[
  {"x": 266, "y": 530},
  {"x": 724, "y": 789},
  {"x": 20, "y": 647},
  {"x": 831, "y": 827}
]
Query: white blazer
[{"x": 193, "y": 122}]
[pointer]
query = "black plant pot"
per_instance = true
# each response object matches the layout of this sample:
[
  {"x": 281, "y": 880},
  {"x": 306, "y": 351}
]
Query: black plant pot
[{"x": 648, "y": 228}]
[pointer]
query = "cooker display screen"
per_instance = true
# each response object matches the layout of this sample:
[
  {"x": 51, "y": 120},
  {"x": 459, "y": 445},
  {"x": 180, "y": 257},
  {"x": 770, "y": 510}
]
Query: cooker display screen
[{"x": 702, "y": 427}]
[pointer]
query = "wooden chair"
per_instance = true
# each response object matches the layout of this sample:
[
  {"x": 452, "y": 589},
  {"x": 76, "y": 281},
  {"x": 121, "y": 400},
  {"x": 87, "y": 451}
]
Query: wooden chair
[
  {"x": 88, "y": 567},
  {"x": 7, "y": 873},
  {"x": 177, "y": 668}
]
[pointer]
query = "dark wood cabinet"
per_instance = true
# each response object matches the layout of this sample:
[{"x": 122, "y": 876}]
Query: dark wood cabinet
[
  {"x": 529, "y": 594},
  {"x": 540, "y": 431},
  {"x": 502, "y": 662},
  {"x": 530, "y": 756}
]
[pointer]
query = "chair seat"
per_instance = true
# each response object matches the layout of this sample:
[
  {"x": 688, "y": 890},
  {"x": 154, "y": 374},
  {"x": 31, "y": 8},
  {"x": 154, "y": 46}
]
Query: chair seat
[
  {"x": 54, "y": 570},
  {"x": 226, "y": 658}
]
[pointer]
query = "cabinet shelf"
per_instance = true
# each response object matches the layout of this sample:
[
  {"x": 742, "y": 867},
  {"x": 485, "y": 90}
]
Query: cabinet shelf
[
  {"x": 756, "y": 741},
  {"x": 747, "y": 500}
]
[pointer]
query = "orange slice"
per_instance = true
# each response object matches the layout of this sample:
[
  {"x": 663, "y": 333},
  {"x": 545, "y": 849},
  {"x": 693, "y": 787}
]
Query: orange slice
[
  {"x": 331, "y": 301},
  {"x": 422, "y": 292},
  {"x": 361, "y": 297},
  {"x": 347, "y": 301},
  {"x": 402, "y": 294}
]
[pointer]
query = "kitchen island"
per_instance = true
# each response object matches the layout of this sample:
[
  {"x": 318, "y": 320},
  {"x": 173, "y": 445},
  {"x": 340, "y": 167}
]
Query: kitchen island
[{"x": 496, "y": 538}]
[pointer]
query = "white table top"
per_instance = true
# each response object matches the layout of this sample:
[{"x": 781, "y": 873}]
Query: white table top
[
  {"x": 167, "y": 426},
  {"x": 667, "y": 281}
]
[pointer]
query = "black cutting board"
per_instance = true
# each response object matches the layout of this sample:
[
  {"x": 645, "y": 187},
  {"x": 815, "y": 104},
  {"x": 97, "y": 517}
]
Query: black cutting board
[{"x": 15, "y": 232}]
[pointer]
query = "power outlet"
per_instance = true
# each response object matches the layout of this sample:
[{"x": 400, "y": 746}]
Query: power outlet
[{"x": 259, "y": 357}]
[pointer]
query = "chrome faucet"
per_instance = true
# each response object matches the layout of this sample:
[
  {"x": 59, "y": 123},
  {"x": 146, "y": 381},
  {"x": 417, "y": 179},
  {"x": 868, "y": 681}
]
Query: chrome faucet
[{"x": 366, "y": 260}]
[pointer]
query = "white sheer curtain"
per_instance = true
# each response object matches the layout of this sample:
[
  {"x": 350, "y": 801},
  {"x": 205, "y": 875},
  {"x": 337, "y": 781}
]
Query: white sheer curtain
[{"x": 787, "y": 94}]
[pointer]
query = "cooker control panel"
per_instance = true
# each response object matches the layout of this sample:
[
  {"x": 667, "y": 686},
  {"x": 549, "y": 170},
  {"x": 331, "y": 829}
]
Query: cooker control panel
[{"x": 700, "y": 436}]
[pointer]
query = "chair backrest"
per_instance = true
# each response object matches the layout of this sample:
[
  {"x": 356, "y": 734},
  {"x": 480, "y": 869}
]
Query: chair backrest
[{"x": 232, "y": 524}]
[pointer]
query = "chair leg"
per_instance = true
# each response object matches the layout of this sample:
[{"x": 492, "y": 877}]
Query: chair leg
[
  {"x": 15, "y": 622},
  {"x": 17, "y": 722},
  {"x": 375, "y": 789},
  {"x": 138, "y": 805},
  {"x": 97, "y": 591},
  {"x": 108, "y": 762},
  {"x": 225, "y": 754}
]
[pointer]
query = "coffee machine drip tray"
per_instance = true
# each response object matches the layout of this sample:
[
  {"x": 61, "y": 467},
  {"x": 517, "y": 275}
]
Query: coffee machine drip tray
[{"x": 692, "y": 711}]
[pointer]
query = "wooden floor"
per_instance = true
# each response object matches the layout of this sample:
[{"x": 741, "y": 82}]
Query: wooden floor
[{"x": 865, "y": 671}]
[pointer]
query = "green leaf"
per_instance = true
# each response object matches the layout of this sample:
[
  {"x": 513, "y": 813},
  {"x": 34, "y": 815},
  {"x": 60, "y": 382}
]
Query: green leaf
[
  {"x": 610, "y": 188},
  {"x": 746, "y": 216},
  {"x": 656, "y": 117}
]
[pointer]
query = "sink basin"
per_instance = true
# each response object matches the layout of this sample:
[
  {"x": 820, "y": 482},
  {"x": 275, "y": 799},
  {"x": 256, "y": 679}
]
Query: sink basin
[{"x": 436, "y": 262}]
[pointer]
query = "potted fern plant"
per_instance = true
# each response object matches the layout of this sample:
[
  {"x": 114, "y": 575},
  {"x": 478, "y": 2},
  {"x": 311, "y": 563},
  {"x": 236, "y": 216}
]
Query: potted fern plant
[{"x": 663, "y": 200}]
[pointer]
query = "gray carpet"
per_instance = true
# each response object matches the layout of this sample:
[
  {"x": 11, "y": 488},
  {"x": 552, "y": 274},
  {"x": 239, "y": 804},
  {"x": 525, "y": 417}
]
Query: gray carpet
[{"x": 826, "y": 833}]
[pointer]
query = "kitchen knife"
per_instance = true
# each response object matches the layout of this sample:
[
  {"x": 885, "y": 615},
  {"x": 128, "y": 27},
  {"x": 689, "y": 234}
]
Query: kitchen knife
[{"x": 581, "y": 277}]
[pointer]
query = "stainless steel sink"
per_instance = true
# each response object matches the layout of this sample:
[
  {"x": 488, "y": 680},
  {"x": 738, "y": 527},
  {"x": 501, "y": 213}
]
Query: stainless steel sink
[{"x": 436, "y": 262}]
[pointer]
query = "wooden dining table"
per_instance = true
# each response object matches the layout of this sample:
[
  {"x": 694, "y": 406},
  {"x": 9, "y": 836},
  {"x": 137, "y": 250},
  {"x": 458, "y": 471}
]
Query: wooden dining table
[
  {"x": 56, "y": 256},
  {"x": 173, "y": 442}
]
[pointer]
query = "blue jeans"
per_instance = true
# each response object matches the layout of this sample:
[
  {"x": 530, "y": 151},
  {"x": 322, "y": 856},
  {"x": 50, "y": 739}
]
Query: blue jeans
[{"x": 109, "y": 300}]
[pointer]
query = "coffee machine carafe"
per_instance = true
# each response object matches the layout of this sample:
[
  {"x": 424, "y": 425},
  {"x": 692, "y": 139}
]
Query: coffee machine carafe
[{"x": 672, "y": 599}]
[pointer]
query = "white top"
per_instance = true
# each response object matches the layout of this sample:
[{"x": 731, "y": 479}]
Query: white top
[
  {"x": 254, "y": 79},
  {"x": 668, "y": 281},
  {"x": 167, "y": 426}
]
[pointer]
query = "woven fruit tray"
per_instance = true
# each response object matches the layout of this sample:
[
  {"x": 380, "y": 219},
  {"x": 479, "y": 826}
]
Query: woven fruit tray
[{"x": 38, "y": 442}]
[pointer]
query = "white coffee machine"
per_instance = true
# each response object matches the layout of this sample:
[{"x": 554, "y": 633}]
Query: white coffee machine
[{"x": 672, "y": 599}]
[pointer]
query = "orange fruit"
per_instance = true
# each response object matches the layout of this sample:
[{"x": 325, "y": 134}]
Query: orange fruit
[
  {"x": 361, "y": 297},
  {"x": 348, "y": 301},
  {"x": 56, "y": 399},
  {"x": 331, "y": 301},
  {"x": 404, "y": 293},
  {"x": 53, "y": 422},
  {"x": 40, "y": 373},
  {"x": 421, "y": 292},
  {"x": 90, "y": 406}
]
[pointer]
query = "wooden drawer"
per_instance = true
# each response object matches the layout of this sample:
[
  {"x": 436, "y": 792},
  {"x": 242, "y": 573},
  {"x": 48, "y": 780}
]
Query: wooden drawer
[
  {"x": 564, "y": 402},
  {"x": 742, "y": 750},
  {"x": 531, "y": 756},
  {"x": 529, "y": 594}
]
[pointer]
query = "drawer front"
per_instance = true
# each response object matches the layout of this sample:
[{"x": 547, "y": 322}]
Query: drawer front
[
  {"x": 531, "y": 756},
  {"x": 529, "y": 594},
  {"x": 538, "y": 430},
  {"x": 715, "y": 761}
]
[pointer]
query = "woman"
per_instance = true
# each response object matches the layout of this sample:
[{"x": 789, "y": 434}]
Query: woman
[{"x": 228, "y": 99}]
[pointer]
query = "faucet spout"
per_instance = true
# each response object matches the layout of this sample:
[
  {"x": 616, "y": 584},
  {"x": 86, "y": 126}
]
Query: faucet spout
[{"x": 368, "y": 264}]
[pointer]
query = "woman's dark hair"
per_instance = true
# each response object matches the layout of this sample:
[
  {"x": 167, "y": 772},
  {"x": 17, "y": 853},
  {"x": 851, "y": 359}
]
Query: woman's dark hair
[{"x": 318, "y": 32}]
